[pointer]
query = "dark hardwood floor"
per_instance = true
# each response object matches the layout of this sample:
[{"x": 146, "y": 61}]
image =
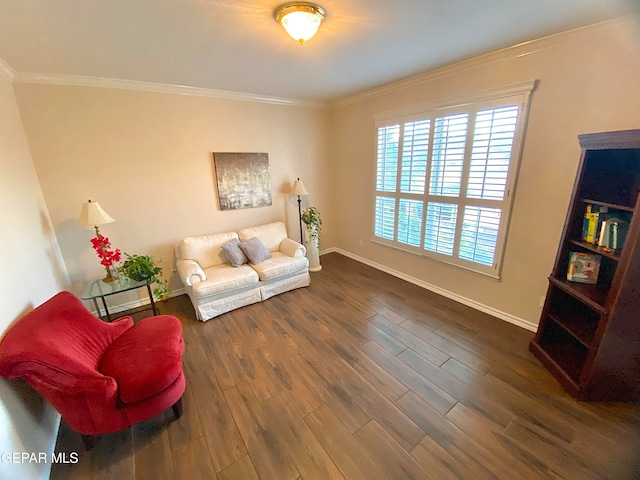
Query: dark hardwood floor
[{"x": 363, "y": 376}]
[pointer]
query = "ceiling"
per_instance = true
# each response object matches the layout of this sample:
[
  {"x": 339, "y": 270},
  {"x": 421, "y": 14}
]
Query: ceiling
[{"x": 236, "y": 45}]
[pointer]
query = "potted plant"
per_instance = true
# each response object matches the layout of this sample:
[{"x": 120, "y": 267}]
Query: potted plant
[
  {"x": 312, "y": 219},
  {"x": 143, "y": 267}
]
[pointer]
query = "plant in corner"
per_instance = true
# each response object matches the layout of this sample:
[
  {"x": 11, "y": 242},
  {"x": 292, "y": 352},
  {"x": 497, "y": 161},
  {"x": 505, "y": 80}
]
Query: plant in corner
[
  {"x": 143, "y": 267},
  {"x": 313, "y": 221}
]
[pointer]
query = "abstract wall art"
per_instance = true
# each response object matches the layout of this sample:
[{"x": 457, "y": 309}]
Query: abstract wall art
[{"x": 243, "y": 180}]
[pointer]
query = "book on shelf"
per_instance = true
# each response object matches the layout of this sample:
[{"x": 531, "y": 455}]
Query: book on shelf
[
  {"x": 583, "y": 267},
  {"x": 593, "y": 217}
]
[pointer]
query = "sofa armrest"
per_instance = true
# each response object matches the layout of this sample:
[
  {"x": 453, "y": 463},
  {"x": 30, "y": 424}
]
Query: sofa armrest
[
  {"x": 190, "y": 272},
  {"x": 291, "y": 248}
]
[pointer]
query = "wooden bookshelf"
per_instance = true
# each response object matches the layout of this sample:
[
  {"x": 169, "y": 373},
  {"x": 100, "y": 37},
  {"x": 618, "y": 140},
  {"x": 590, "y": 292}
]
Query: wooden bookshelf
[{"x": 589, "y": 335}]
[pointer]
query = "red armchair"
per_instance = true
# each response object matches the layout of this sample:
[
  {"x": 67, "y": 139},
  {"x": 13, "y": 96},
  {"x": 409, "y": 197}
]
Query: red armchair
[{"x": 101, "y": 377}]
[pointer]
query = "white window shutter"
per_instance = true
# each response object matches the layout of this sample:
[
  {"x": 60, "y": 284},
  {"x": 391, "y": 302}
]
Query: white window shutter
[
  {"x": 415, "y": 150},
  {"x": 479, "y": 235},
  {"x": 410, "y": 222},
  {"x": 385, "y": 214},
  {"x": 440, "y": 227},
  {"x": 443, "y": 177},
  {"x": 387, "y": 166},
  {"x": 491, "y": 152},
  {"x": 447, "y": 159}
]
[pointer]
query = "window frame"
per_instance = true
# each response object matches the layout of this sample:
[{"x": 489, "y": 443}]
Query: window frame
[{"x": 516, "y": 94}]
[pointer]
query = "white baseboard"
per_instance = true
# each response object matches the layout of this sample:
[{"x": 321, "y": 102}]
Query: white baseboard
[
  {"x": 123, "y": 307},
  {"x": 507, "y": 317}
]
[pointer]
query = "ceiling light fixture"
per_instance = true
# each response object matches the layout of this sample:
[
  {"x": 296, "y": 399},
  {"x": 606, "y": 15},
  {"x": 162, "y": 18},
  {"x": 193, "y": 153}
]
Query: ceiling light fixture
[{"x": 301, "y": 20}]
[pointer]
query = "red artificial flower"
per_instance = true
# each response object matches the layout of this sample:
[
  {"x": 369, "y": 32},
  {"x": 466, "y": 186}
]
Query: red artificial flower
[{"x": 102, "y": 246}]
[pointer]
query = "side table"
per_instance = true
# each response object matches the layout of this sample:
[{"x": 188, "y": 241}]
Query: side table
[{"x": 100, "y": 289}]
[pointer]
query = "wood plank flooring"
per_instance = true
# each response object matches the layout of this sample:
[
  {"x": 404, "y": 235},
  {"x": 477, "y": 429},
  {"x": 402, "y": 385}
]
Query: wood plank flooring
[{"x": 363, "y": 376}]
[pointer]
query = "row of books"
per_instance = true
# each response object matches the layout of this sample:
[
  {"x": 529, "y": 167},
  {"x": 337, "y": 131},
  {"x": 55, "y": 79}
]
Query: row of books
[{"x": 605, "y": 229}]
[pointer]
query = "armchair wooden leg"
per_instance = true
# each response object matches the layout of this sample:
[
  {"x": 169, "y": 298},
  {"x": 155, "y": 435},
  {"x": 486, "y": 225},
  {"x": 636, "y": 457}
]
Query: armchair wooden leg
[
  {"x": 89, "y": 441},
  {"x": 177, "y": 408}
]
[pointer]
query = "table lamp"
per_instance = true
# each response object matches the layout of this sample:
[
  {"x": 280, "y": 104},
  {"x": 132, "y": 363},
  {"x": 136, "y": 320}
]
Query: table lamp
[{"x": 92, "y": 214}]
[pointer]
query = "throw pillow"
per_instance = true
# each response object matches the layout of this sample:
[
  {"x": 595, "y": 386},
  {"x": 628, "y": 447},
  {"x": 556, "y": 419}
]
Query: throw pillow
[
  {"x": 233, "y": 252},
  {"x": 255, "y": 250}
]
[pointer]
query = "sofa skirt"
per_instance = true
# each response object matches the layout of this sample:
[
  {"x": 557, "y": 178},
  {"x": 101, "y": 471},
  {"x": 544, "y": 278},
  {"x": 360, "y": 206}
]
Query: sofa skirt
[
  {"x": 278, "y": 286},
  {"x": 208, "y": 308}
]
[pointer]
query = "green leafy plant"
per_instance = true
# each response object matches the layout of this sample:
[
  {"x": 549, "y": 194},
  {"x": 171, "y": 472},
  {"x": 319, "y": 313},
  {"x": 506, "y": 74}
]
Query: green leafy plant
[
  {"x": 313, "y": 221},
  {"x": 144, "y": 267}
]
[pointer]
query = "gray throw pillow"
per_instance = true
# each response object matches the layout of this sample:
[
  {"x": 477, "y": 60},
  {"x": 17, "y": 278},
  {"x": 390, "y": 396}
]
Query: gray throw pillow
[
  {"x": 233, "y": 252},
  {"x": 255, "y": 250}
]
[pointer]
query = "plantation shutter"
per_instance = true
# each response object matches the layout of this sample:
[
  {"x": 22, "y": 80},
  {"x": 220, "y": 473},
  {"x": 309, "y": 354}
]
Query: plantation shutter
[
  {"x": 444, "y": 179},
  {"x": 387, "y": 172}
]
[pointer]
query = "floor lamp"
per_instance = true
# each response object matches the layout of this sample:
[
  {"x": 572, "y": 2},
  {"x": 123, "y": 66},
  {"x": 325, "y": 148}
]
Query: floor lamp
[{"x": 299, "y": 190}]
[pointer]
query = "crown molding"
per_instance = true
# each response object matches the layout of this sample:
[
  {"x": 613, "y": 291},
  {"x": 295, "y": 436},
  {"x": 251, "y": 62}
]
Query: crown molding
[
  {"x": 100, "y": 82},
  {"x": 6, "y": 71},
  {"x": 526, "y": 48},
  {"x": 513, "y": 89},
  {"x": 596, "y": 30}
]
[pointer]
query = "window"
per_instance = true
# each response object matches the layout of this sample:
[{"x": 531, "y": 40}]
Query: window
[{"x": 445, "y": 178}]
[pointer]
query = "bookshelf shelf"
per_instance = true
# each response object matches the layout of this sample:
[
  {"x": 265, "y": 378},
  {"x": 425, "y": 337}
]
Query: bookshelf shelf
[
  {"x": 589, "y": 334},
  {"x": 566, "y": 373},
  {"x": 575, "y": 325},
  {"x": 612, "y": 254},
  {"x": 590, "y": 295},
  {"x": 615, "y": 206}
]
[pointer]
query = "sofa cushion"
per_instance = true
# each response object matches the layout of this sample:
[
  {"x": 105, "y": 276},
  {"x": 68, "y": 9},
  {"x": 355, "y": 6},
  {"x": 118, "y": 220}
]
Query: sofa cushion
[
  {"x": 255, "y": 250},
  {"x": 280, "y": 265},
  {"x": 157, "y": 345},
  {"x": 206, "y": 250},
  {"x": 271, "y": 234},
  {"x": 224, "y": 279},
  {"x": 234, "y": 253}
]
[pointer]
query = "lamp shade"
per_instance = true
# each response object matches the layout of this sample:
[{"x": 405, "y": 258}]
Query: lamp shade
[
  {"x": 298, "y": 188},
  {"x": 301, "y": 20},
  {"x": 92, "y": 214}
]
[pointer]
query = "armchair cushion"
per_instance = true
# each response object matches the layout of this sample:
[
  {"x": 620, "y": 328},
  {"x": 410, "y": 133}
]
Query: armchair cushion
[
  {"x": 234, "y": 253},
  {"x": 157, "y": 346},
  {"x": 255, "y": 250}
]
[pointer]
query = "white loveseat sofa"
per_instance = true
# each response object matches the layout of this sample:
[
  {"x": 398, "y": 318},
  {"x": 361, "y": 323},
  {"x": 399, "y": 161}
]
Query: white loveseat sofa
[{"x": 216, "y": 287}]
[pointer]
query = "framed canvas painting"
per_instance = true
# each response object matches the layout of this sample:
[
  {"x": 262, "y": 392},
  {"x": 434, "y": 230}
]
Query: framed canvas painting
[{"x": 243, "y": 180}]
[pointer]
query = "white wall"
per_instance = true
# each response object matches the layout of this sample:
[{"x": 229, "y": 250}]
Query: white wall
[
  {"x": 32, "y": 271},
  {"x": 589, "y": 82},
  {"x": 147, "y": 158}
]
